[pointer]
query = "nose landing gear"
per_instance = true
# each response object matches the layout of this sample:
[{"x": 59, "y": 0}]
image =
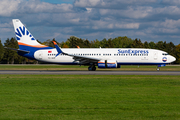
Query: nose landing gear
[{"x": 158, "y": 68}]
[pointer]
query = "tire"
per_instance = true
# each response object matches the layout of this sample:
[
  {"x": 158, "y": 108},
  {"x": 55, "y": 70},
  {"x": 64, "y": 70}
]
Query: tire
[
  {"x": 94, "y": 69},
  {"x": 89, "y": 68}
]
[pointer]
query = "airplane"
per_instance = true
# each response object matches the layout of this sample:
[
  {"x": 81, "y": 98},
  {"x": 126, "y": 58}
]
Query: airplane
[{"x": 100, "y": 57}]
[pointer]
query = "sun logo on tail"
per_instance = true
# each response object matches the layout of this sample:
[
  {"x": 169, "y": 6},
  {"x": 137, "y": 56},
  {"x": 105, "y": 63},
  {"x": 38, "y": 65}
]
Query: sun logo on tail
[{"x": 20, "y": 32}]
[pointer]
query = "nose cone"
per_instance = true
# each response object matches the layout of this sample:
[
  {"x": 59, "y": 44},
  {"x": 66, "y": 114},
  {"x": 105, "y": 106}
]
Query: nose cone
[{"x": 173, "y": 59}]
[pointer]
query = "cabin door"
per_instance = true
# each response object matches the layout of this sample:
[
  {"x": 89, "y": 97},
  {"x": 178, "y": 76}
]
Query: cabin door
[
  {"x": 40, "y": 55},
  {"x": 155, "y": 55}
]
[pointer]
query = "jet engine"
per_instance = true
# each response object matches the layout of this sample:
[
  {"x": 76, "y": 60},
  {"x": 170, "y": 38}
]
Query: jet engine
[{"x": 107, "y": 64}]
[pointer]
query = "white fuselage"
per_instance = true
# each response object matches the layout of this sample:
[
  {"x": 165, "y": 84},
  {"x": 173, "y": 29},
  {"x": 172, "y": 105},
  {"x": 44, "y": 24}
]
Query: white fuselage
[{"x": 120, "y": 55}]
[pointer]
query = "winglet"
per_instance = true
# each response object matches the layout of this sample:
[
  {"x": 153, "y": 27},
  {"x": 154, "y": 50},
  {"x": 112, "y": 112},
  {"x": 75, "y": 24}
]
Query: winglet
[{"x": 57, "y": 48}]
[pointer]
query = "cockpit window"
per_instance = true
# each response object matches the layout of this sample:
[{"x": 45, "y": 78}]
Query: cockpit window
[{"x": 165, "y": 54}]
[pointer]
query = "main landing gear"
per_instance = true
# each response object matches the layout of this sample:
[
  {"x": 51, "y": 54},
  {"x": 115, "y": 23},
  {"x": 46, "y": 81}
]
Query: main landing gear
[{"x": 92, "y": 68}]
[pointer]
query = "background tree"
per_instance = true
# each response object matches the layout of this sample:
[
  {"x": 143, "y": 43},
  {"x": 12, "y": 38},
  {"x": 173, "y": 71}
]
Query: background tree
[
  {"x": 1, "y": 50},
  {"x": 64, "y": 45},
  {"x": 95, "y": 43},
  {"x": 87, "y": 44},
  {"x": 9, "y": 55},
  {"x": 137, "y": 44},
  {"x": 110, "y": 43},
  {"x": 126, "y": 42},
  {"x": 146, "y": 44},
  {"x": 118, "y": 43},
  {"x": 152, "y": 45},
  {"x": 177, "y": 54},
  {"x": 161, "y": 45},
  {"x": 171, "y": 49},
  {"x": 104, "y": 43},
  {"x": 80, "y": 43},
  {"x": 73, "y": 42}
]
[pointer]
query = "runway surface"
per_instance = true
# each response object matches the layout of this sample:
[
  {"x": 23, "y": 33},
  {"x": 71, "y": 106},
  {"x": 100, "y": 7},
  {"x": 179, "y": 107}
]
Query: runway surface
[{"x": 62, "y": 72}]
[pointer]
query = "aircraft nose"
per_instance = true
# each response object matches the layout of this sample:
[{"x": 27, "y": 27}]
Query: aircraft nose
[{"x": 173, "y": 58}]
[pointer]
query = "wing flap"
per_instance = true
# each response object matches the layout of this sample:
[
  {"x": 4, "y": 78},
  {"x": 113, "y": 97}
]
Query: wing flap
[{"x": 84, "y": 59}]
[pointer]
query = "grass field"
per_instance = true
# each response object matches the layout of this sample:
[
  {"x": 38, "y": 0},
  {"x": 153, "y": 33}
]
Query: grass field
[
  {"x": 87, "y": 97},
  {"x": 76, "y": 67}
]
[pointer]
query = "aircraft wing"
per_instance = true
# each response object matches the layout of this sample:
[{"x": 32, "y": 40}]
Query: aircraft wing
[{"x": 81, "y": 59}]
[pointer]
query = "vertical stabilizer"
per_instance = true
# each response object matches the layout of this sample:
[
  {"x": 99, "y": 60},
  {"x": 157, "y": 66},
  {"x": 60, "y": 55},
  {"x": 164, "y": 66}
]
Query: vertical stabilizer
[{"x": 24, "y": 37}]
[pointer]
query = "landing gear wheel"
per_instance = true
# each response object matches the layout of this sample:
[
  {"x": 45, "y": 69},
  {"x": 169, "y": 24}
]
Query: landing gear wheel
[
  {"x": 92, "y": 68},
  {"x": 158, "y": 69},
  {"x": 89, "y": 68}
]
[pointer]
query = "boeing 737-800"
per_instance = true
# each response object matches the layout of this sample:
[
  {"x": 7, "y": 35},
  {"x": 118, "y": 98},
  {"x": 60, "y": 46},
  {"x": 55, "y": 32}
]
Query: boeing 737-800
[{"x": 101, "y": 57}]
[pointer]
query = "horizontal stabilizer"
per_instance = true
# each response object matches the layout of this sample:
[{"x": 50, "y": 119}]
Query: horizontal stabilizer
[{"x": 18, "y": 50}]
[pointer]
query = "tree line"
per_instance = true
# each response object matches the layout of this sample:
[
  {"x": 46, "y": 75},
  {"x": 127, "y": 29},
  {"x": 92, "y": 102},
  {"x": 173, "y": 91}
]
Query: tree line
[{"x": 11, "y": 57}]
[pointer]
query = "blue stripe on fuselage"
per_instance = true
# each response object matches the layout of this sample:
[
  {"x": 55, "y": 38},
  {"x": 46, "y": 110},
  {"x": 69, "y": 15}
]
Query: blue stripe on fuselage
[
  {"x": 73, "y": 63},
  {"x": 140, "y": 63}
]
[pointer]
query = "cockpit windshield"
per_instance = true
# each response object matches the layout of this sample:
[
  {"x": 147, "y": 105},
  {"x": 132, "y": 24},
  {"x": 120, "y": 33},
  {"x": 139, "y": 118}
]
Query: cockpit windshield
[{"x": 165, "y": 54}]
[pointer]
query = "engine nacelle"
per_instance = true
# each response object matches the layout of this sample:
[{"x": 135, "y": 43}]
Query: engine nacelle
[{"x": 107, "y": 64}]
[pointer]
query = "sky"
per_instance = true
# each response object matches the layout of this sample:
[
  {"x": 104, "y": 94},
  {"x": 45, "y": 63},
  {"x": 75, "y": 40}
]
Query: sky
[{"x": 148, "y": 20}]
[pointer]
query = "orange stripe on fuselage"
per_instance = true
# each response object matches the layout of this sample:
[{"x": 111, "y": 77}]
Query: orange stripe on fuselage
[
  {"x": 101, "y": 62},
  {"x": 107, "y": 62},
  {"x": 37, "y": 46},
  {"x": 111, "y": 63}
]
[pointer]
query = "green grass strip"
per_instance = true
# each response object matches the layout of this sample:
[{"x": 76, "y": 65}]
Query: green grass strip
[{"x": 87, "y": 97}]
